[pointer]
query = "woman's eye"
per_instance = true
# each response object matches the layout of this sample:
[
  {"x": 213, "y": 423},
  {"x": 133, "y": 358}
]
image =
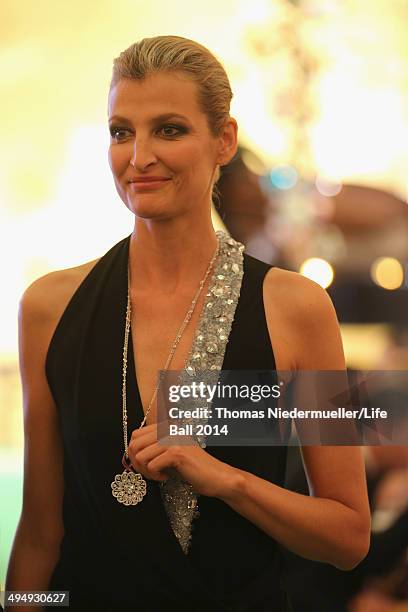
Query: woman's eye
[
  {"x": 171, "y": 130},
  {"x": 116, "y": 131}
]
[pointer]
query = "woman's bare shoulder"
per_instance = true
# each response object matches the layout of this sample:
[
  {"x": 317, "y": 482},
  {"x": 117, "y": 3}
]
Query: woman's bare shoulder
[
  {"x": 302, "y": 322},
  {"x": 296, "y": 296},
  {"x": 47, "y": 297}
]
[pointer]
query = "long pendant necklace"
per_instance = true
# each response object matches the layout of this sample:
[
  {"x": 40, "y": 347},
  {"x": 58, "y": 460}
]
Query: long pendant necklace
[{"x": 129, "y": 487}]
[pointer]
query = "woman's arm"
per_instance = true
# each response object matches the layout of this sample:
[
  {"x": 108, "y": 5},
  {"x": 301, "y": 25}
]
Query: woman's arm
[
  {"x": 35, "y": 549},
  {"x": 333, "y": 524},
  {"x": 330, "y": 526}
]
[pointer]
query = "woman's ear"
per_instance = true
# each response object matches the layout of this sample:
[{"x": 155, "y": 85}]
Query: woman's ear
[{"x": 228, "y": 142}]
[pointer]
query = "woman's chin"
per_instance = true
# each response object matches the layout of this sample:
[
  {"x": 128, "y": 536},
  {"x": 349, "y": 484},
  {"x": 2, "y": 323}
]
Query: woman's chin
[
  {"x": 146, "y": 207},
  {"x": 149, "y": 211}
]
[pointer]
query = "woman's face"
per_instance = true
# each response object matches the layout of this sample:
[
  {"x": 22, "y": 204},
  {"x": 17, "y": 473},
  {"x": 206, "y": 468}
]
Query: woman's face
[{"x": 162, "y": 153}]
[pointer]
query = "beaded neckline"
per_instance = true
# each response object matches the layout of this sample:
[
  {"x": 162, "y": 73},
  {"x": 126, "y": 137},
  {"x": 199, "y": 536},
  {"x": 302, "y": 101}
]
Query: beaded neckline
[{"x": 206, "y": 358}]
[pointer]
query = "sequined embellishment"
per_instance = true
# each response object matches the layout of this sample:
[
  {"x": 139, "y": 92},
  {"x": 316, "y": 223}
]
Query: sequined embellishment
[{"x": 206, "y": 354}]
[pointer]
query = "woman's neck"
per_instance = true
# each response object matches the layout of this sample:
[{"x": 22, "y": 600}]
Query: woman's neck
[{"x": 167, "y": 256}]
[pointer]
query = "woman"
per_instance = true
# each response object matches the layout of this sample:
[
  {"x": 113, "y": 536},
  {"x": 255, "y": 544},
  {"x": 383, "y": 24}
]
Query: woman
[{"x": 89, "y": 387}]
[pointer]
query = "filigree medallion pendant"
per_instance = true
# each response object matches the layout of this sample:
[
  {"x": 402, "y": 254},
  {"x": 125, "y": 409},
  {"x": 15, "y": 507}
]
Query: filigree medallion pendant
[{"x": 129, "y": 488}]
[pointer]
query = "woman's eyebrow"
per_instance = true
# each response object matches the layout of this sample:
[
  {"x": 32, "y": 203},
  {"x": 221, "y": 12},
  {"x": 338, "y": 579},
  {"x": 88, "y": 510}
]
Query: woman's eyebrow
[
  {"x": 163, "y": 117},
  {"x": 166, "y": 116},
  {"x": 119, "y": 118}
]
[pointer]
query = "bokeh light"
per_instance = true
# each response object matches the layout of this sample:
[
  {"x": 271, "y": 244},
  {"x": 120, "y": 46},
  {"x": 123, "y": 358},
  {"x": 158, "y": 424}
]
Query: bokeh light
[
  {"x": 283, "y": 176},
  {"x": 318, "y": 270},
  {"x": 327, "y": 188},
  {"x": 387, "y": 272}
]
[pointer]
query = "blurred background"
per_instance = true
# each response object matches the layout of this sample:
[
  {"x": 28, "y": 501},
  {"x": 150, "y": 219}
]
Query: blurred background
[{"x": 319, "y": 185}]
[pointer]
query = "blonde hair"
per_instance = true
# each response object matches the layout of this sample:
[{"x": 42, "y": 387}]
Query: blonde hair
[{"x": 175, "y": 53}]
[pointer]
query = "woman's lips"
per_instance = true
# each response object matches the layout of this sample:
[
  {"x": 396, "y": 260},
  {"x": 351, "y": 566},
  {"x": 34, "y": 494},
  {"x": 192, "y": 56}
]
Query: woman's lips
[{"x": 148, "y": 184}]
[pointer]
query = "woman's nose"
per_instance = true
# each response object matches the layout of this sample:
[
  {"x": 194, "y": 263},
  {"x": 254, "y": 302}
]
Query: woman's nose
[{"x": 142, "y": 155}]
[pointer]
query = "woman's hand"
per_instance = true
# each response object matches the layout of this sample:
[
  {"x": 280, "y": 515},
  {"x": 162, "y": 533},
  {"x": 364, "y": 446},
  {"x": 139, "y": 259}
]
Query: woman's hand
[{"x": 207, "y": 475}]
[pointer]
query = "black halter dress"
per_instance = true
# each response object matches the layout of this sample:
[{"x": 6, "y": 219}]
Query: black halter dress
[{"x": 118, "y": 558}]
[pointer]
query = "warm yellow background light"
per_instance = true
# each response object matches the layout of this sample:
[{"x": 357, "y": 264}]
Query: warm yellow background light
[
  {"x": 365, "y": 345},
  {"x": 387, "y": 272},
  {"x": 318, "y": 270}
]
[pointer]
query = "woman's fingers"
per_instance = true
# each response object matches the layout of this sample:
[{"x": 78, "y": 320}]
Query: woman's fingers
[
  {"x": 141, "y": 438},
  {"x": 143, "y": 447},
  {"x": 150, "y": 452}
]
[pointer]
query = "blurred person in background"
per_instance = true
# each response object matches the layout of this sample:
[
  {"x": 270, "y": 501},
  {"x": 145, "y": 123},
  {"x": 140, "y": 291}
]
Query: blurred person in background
[{"x": 246, "y": 209}]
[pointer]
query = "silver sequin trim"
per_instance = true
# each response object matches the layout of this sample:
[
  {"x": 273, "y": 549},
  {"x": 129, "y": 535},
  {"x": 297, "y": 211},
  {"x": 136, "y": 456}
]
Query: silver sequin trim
[{"x": 205, "y": 358}]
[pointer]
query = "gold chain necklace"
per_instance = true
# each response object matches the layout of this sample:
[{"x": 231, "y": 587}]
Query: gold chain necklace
[{"x": 129, "y": 488}]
